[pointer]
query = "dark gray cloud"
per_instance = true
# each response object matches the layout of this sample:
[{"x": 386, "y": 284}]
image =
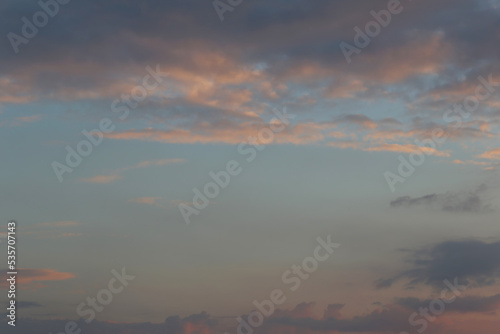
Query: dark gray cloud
[
  {"x": 387, "y": 318},
  {"x": 390, "y": 319},
  {"x": 384, "y": 283},
  {"x": 471, "y": 262},
  {"x": 472, "y": 201},
  {"x": 333, "y": 311},
  {"x": 173, "y": 325}
]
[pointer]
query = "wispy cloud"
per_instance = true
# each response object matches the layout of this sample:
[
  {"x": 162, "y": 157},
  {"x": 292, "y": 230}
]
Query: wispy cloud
[
  {"x": 116, "y": 174},
  {"x": 24, "y": 119},
  {"x": 27, "y": 276},
  {"x": 102, "y": 178},
  {"x": 156, "y": 201},
  {"x": 66, "y": 223},
  {"x": 470, "y": 201},
  {"x": 406, "y": 149},
  {"x": 51, "y": 230},
  {"x": 161, "y": 162},
  {"x": 29, "y": 119}
]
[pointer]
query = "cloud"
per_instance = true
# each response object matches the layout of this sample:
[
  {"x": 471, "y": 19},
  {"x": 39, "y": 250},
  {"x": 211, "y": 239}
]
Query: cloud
[
  {"x": 472, "y": 262},
  {"x": 218, "y": 74},
  {"x": 201, "y": 323},
  {"x": 227, "y": 132},
  {"x": 148, "y": 200},
  {"x": 51, "y": 230},
  {"x": 384, "y": 283},
  {"x": 391, "y": 318},
  {"x": 472, "y": 201},
  {"x": 302, "y": 310},
  {"x": 491, "y": 154},
  {"x": 116, "y": 175},
  {"x": 358, "y": 119},
  {"x": 102, "y": 179},
  {"x": 26, "y": 119},
  {"x": 385, "y": 135},
  {"x": 66, "y": 223},
  {"x": 333, "y": 311},
  {"x": 161, "y": 162},
  {"x": 407, "y": 149},
  {"x": 27, "y": 276},
  {"x": 25, "y": 304},
  {"x": 468, "y": 304},
  {"x": 487, "y": 165}
]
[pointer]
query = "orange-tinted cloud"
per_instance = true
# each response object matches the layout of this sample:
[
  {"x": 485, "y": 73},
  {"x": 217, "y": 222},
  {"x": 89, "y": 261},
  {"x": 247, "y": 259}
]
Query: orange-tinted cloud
[
  {"x": 102, "y": 178},
  {"x": 27, "y": 276},
  {"x": 160, "y": 162},
  {"x": 406, "y": 149},
  {"x": 147, "y": 200},
  {"x": 229, "y": 133},
  {"x": 491, "y": 154},
  {"x": 116, "y": 175}
]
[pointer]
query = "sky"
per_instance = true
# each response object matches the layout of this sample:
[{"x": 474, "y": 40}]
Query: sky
[{"x": 251, "y": 166}]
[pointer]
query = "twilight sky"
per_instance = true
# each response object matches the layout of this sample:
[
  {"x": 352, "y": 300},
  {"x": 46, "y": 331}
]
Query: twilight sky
[{"x": 203, "y": 147}]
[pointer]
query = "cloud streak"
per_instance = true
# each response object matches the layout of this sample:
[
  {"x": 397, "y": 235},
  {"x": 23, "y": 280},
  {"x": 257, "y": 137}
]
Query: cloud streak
[
  {"x": 472, "y": 201},
  {"x": 116, "y": 175}
]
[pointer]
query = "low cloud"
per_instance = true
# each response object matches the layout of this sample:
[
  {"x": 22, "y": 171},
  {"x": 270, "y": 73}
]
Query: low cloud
[{"x": 391, "y": 318}]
